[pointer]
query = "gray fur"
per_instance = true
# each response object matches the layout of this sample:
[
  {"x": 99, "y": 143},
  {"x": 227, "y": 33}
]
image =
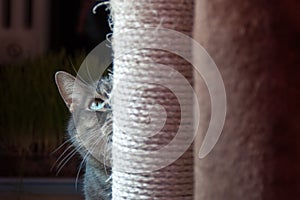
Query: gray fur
[{"x": 90, "y": 131}]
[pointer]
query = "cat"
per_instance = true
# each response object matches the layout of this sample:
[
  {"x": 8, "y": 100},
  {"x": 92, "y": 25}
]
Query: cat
[{"x": 90, "y": 129}]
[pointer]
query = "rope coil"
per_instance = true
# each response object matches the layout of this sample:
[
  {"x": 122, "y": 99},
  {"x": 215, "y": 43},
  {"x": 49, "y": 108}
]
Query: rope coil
[{"x": 147, "y": 113}]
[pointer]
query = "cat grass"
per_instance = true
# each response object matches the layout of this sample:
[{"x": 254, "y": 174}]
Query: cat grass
[{"x": 33, "y": 116}]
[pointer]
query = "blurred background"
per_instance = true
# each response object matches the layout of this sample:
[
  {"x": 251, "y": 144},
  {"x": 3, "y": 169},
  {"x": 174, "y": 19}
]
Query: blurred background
[
  {"x": 38, "y": 38},
  {"x": 255, "y": 45}
]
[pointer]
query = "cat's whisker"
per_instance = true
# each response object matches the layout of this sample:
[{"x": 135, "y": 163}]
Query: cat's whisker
[
  {"x": 106, "y": 151},
  {"x": 108, "y": 179},
  {"x": 97, "y": 141},
  {"x": 60, "y": 146},
  {"x": 105, "y": 157},
  {"x": 80, "y": 167},
  {"x": 60, "y": 168},
  {"x": 65, "y": 157},
  {"x": 91, "y": 137},
  {"x": 107, "y": 128},
  {"x": 64, "y": 161},
  {"x": 61, "y": 155}
]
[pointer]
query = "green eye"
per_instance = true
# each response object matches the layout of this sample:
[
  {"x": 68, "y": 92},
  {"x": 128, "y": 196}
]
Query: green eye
[{"x": 96, "y": 105}]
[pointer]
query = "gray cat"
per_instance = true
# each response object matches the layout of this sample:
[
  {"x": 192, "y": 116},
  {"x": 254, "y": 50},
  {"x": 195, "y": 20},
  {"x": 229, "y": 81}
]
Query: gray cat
[{"x": 90, "y": 129}]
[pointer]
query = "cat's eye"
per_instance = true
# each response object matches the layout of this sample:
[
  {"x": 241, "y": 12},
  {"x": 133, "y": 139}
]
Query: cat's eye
[{"x": 97, "y": 105}]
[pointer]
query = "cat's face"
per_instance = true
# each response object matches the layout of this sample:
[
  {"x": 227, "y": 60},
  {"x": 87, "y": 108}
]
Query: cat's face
[{"x": 90, "y": 126}]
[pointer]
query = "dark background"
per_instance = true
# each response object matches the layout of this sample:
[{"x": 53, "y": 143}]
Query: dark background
[
  {"x": 33, "y": 116},
  {"x": 65, "y": 22}
]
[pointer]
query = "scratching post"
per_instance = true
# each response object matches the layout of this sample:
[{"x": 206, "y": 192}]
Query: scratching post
[{"x": 147, "y": 113}]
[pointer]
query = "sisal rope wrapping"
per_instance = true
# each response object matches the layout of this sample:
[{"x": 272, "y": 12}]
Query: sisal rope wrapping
[{"x": 139, "y": 81}]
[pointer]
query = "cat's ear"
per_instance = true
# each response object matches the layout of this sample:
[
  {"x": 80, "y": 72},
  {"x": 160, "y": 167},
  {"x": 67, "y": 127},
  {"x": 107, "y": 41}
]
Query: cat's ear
[{"x": 65, "y": 84}]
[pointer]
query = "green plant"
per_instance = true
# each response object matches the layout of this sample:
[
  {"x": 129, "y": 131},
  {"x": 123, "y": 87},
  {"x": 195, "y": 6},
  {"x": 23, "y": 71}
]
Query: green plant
[{"x": 33, "y": 116}]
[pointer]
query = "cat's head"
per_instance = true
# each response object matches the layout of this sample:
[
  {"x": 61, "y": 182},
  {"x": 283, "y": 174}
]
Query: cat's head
[{"x": 90, "y": 126}]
